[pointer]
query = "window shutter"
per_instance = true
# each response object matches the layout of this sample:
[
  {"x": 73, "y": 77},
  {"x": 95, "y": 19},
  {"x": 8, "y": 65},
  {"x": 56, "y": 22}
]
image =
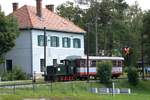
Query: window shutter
[
  {"x": 57, "y": 41},
  {"x": 79, "y": 43},
  {"x": 73, "y": 43},
  {"x": 38, "y": 40},
  {"x": 51, "y": 41},
  {"x": 63, "y": 42},
  {"x": 68, "y": 42}
]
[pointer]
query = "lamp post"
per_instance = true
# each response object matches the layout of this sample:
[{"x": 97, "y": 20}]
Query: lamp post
[
  {"x": 96, "y": 35},
  {"x": 45, "y": 43},
  {"x": 88, "y": 30}
]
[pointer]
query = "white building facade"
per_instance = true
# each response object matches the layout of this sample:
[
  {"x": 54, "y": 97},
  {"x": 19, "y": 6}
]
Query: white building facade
[
  {"x": 63, "y": 39},
  {"x": 29, "y": 50}
]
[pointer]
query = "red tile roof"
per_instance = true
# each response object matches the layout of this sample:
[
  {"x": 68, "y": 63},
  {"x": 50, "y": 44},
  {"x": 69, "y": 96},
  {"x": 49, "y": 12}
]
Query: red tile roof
[{"x": 27, "y": 17}]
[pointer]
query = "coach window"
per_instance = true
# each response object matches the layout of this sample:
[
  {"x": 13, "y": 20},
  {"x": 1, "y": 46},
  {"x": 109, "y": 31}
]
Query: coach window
[
  {"x": 93, "y": 63},
  {"x": 114, "y": 63},
  {"x": 119, "y": 63},
  {"x": 82, "y": 63}
]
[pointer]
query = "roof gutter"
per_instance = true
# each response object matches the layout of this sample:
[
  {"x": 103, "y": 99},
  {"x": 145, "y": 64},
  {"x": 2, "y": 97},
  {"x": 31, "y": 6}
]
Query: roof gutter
[{"x": 54, "y": 30}]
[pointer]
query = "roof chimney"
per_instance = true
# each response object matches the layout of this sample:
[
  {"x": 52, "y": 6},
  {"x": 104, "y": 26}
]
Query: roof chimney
[
  {"x": 15, "y": 6},
  {"x": 39, "y": 8},
  {"x": 50, "y": 7}
]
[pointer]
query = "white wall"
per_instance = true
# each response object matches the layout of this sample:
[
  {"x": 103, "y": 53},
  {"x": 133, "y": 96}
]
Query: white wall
[
  {"x": 58, "y": 53},
  {"x": 21, "y": 53},
  {"x": 27, "y": 53}
]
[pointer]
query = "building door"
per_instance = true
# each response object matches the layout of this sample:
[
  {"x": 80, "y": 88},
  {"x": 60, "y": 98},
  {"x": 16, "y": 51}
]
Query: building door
[
  {"x": 9, "y": 65},
  {"x": 54, "y": 62},
  {"x": 42, "y": 65}
]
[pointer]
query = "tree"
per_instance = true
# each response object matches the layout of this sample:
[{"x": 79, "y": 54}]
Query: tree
[
  {"x": 118, "y": 29},
  {"x": 133, "y": 77},
  {"x": 134, "y": 23},
  {"x": 146, "y": 36},
  {"x": 9, "y": 31},
  {"x": 104, "y": 72},
  {"x": 117, "y": 25},
  {"x": 99, "y": 16},
  {"x": 71, "y": 12},
  {"x": 109, "y": 15}
]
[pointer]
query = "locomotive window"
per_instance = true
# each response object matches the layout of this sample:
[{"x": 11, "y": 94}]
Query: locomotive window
[{"x": 77, "y": 63}]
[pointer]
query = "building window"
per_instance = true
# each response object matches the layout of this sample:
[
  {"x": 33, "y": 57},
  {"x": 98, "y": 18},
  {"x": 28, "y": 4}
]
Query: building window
[
  {"x": 76, "y": 43},
  {"x": 9, "y": 65},
  {"x": 54, "y": 62},
  {"x": 42, "y": 61},
  {"x": 54, "y": 41},
  {"x": 41, "y": 40},
  {"x": 66, "y": 42}
]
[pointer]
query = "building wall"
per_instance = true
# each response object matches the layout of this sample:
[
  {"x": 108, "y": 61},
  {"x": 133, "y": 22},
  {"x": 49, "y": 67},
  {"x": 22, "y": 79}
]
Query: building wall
[
  {"x": 21, "y": 53},
  {"x": 58, "y": 53},
  {"x": 27, "y": 54}
]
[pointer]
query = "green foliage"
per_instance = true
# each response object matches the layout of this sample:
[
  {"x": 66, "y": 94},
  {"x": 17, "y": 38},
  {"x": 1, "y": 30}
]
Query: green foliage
[
  {"x": 146, "y": 36},
  {"x": 133, "y": 77},
  {"x": 118, "y": 25},
  {"x": 15, "y": 74},
  {"x": 134, "y": 25},
  {"x": 9, "y": 31},
  {"x": 128, "y": 56},
  {"x": 71, "y": 12},
  {"x": 76, "y": 91},
  {"x": 104, "y": 72},
  {"x": 116, "y": 52}
]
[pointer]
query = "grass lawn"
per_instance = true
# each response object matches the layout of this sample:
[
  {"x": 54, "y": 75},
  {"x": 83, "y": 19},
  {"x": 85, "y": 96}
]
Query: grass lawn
[{"x": 77, "y": 91}]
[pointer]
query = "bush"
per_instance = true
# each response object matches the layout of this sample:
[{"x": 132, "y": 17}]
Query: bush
[
  {"x": 15, "y": 74},
  {"x": 133, "y": 77},
  {"x": 104, "y": 72}
]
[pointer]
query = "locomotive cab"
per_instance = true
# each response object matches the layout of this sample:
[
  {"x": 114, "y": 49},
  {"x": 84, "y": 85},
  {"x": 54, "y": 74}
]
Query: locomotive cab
[{"x": 61, "y": 72}]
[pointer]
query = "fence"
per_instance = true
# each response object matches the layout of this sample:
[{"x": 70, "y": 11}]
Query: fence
[
  {"x": 57, "y": 87},
  {"x": 60, "y": 87}
]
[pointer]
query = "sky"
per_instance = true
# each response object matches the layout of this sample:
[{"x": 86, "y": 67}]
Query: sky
[{"x": 6, "y": 5}]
